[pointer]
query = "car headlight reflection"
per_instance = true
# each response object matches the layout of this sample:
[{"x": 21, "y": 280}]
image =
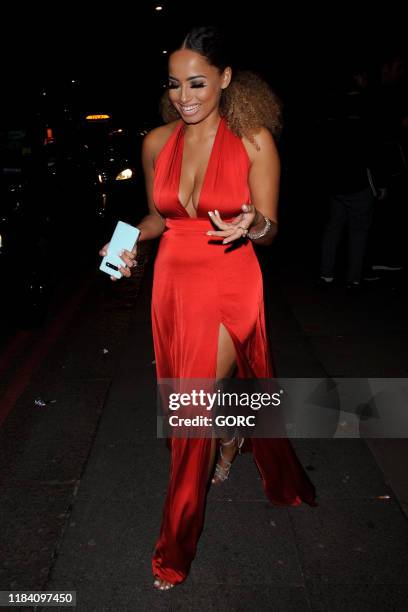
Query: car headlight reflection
[{"x": 124, "y": 175}]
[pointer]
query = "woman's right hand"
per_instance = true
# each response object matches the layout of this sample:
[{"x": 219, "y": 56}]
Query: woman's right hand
[{"x": 128, "y": 257}]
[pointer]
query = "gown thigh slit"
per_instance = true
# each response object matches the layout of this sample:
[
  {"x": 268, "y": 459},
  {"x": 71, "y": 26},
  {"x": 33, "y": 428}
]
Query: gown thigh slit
[
  {"x": 226, "y": 362},
  {"x": 199, "y": 284}
]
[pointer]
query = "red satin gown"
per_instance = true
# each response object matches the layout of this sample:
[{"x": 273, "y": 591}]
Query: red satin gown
[{"x": 199, "y": 284}]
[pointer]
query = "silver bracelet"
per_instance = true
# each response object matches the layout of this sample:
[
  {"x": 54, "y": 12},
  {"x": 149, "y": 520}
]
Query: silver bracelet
[{"x": 261, "y": 233}]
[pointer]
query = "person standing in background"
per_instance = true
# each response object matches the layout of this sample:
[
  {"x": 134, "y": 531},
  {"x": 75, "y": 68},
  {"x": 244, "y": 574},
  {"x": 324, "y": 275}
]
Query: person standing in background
[{"x": 352, "y": 177}]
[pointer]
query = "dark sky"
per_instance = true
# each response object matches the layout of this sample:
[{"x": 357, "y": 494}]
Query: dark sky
[{"x": 117, "y": 50}]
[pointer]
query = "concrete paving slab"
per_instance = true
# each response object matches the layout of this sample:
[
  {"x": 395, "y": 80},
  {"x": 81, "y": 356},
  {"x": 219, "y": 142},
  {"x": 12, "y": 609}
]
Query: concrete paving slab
[
  {"x": 361, "y": 597},
  {"x": 111, "y": 597},
  {"x": 256, "y": 540},
  {"x": 376, "y": 355},
  {"x": 28, "y": 539},
  {"x": 51, "y": 442},
  {"x": 342, "y": 469},
  {"x": 352, "y": 541},
  {"x": 392, "y": 457}
]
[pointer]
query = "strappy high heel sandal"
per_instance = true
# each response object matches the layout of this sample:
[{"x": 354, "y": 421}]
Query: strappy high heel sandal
[{"x": 221, "y": 472}]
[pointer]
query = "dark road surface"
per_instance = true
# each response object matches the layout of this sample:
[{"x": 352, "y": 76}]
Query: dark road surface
[{"x": 83, "y": 475}]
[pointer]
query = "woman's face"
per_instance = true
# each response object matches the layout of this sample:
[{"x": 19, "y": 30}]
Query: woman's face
[{"x": 194, "y": 85}]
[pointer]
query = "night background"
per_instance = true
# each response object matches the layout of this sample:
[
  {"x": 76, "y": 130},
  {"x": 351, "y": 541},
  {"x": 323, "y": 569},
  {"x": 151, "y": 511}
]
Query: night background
[
  {"x": 302, "y": 50},
  {"x": 82, "y": 474}
]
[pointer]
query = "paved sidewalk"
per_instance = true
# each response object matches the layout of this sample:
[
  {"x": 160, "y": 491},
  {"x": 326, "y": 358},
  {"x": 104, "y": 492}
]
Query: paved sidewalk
[{"x": 349, "y": 553}]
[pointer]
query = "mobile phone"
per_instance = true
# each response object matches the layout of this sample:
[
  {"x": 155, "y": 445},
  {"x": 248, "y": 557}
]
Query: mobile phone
[{"x": 124, "y": 237}]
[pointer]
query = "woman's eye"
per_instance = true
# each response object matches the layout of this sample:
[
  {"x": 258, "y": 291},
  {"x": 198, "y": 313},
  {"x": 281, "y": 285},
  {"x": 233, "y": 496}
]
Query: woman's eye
[{"x": 193, "y": 85}]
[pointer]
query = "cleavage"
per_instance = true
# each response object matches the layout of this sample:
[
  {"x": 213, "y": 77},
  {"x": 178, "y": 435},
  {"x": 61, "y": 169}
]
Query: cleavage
[{"x": 192, "y": 174}]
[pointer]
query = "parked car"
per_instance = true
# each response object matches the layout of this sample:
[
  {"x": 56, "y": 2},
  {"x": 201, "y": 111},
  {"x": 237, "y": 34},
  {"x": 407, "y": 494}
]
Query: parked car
[
  {"x": 111, "y": 170},
  {"x": 67, "y": 175},
  {"x": 24, "y": 227}
]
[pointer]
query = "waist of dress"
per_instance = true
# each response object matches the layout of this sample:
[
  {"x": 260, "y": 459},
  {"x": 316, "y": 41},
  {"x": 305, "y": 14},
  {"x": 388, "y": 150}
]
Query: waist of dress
[{"x": 192, "y": 224}]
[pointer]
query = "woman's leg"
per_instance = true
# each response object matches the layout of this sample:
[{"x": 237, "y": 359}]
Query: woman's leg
[{"x": 226, "y": 365}]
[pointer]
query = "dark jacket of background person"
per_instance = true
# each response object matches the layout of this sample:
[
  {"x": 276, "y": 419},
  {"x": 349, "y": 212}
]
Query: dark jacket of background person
[{"x": 351, "y": 150}]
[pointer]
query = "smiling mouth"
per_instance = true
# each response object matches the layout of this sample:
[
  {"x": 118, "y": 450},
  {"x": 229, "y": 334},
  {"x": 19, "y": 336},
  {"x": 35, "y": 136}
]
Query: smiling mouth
[{"x": 189, "y": 110}]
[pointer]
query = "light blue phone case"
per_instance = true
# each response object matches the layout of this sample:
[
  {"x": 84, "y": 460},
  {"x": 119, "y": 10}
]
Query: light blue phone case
[{"x": 124, "y": 237}]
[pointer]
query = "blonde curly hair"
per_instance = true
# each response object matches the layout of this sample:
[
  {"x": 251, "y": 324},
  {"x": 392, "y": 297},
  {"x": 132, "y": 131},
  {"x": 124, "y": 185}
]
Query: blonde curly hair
[{"x": 248, "y": 103}]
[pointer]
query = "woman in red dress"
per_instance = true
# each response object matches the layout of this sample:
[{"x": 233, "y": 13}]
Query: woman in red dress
[{"x": 212, "y": 181}]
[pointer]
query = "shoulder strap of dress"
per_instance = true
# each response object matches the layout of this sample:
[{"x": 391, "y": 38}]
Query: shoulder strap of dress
[{"x": 171, "y": 143}]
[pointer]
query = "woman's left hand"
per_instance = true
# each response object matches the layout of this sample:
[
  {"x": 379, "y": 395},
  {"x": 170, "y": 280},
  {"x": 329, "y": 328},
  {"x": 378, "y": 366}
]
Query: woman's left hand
[{"x": 235, "y": 229}]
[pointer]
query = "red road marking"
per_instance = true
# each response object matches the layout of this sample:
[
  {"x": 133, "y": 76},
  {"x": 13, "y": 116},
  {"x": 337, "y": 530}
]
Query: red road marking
[
  {"x": 20, "y": 380},
  {"x": 13, "y": 348}
]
